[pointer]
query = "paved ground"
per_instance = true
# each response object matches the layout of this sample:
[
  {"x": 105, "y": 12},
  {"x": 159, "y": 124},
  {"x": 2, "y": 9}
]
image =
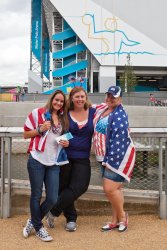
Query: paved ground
[{"x": 146, "y": 232}]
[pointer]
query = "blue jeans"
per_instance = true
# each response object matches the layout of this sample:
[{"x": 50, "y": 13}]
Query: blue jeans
[
  {"x": 39, "y": 174},
  {"x": 109, "y": 174}
]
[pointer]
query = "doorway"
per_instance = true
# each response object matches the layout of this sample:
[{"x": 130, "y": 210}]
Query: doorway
[{"x": 95, "y": 82}]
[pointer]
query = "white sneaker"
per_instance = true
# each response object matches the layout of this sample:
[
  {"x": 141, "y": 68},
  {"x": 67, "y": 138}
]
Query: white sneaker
[
  {"x": 109, "y": 227},
  {"x": 50, "y": 219},
  {"x": 123, "y": 226},
  {"x": 71, "y": 226},
  {"x": 27, "y": 229},
  {"x": 42, "y": 234}
]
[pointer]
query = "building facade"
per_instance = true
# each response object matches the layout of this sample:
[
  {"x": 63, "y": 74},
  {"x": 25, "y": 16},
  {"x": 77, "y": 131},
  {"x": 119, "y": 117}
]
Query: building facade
[{"x": 91, "y": 39}]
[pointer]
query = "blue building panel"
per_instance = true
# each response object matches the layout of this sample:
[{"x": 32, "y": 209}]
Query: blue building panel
[
  {"x": 63, "y": 35},
  {"x": 36, "y": 29},
  {"x": 70, "y": 69},
  {"x": 46, "y": 58},
  {"x": 69, "y": 51}
]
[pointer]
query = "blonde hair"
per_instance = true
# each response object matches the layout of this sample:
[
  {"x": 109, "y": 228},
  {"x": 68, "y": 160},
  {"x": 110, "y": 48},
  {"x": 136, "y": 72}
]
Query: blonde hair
[{"x": 70, "y": 103}]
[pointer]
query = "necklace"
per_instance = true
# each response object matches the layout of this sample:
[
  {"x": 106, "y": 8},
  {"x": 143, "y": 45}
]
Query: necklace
[{"x": 56, "y": 128}]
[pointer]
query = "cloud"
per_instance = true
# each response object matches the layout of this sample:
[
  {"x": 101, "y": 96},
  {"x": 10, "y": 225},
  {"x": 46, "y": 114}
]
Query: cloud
[
  {"x": 14, "y": 40},
  {"x": 14, "y": 5}
]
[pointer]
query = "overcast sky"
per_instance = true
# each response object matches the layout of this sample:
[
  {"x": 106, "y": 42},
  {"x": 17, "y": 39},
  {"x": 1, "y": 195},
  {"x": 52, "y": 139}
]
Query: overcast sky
[{"x": 14, "y": 40}]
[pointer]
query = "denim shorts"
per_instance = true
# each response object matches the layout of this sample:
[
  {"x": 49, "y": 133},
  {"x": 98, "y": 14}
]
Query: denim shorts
[{"x": 109, "y": 174}]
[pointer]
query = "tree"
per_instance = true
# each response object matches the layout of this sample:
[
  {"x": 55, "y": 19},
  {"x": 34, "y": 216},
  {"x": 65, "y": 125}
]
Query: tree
[{"x": 128, "y": 80}]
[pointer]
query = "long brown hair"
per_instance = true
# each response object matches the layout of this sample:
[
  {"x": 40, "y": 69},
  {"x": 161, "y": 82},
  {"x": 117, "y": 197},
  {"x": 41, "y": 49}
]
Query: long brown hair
[
  {"x": 62, "y": 113},
  {"x": 75, "y": 90}
]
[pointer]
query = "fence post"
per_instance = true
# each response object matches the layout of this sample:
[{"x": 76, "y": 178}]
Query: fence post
[
  {"x": 2, "y": 175},
  {"x": 0, "y": 157},
  {"x": 162, "y": 193},
  {"x": 166, "y": 175}
]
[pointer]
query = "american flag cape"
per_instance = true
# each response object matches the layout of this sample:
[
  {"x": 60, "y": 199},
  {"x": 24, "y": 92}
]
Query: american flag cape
[
  {"x": 34, "y": 119},
  {"x": 120, "y": 150},
  {"x": 99, "y": 139}
]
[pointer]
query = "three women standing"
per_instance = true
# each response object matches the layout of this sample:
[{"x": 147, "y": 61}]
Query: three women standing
[{"x": 113, "y": 148}]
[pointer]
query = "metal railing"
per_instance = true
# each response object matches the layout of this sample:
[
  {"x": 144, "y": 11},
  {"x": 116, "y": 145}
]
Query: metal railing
[{"x": 149, "y": 177}]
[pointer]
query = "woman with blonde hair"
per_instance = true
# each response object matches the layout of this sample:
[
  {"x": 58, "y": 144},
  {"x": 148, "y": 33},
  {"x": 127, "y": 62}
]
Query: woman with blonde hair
[{"x": 76, "y": 178}]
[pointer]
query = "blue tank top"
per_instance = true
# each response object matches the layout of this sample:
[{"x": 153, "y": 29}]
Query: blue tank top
[{"x": 101, "y": 126}]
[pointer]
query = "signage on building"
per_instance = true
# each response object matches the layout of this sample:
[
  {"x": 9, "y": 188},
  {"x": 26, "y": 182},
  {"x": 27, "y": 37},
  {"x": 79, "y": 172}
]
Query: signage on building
[
  {"x": 46, "y": 58},
  {"x": 36, "y": 28}
]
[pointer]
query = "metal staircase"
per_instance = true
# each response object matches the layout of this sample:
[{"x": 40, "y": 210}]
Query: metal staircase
[{"x": 66, "y": 50}]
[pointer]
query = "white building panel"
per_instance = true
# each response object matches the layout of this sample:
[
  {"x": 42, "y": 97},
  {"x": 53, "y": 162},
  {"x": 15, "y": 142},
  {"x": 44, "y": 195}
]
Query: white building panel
[{"x": 108, "y": 37}]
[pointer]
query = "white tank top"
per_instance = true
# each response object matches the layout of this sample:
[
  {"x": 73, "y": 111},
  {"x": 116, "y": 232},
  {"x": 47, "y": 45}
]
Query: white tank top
[{"x": 49, "y": 156}]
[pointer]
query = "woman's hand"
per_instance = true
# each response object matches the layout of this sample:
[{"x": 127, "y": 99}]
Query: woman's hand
[
  {"x": 38, "y": 131},
  {"x": 45, "y": 126},
  {"x": 64, "y": 143}
]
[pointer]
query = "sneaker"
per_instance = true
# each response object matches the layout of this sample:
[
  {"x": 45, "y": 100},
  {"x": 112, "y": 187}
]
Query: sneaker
[
  {"x": 42, "y": 234},
  {"x": 123, "y": 226},
  {"x": 27, "y": 229},
  {"x": 50, "y": 219},
  {"x": 71, "y": 226},
  {"x": 109, "y": 227}
]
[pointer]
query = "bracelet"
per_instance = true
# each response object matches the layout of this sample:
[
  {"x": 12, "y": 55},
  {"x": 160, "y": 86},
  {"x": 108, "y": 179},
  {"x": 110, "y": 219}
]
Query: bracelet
[{"x": 38, "y": 130}]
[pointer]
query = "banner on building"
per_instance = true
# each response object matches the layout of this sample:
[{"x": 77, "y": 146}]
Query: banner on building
[
  {"x": 46, "y": 58},
  {"x": 36, "y": 28}
]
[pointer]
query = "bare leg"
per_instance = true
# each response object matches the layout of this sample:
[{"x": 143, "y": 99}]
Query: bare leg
[{"x": 115, "y": 196}]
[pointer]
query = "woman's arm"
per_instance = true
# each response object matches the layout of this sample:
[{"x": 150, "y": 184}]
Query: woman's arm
[
  {"x": 38, "y": 131},
  {"x": 30, "y": 134}
]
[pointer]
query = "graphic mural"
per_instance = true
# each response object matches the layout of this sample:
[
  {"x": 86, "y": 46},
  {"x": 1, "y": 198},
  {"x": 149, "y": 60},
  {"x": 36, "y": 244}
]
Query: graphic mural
[
  {"x": 115, "y": 41},
  {"x": 109, "y": 38}
]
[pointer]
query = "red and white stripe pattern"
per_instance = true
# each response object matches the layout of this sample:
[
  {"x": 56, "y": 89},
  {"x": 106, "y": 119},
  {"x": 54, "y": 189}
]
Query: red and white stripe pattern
[
  {"x": 99, "y": 140},
  {"x": 126, "y": 167},
  {"x": 35, "y": 119}
]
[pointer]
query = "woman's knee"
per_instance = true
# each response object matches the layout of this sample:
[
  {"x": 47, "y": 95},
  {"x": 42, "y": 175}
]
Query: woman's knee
[
  {"x": 78, "y": 191},
  {"x": 110, "y": 187},
  {"x": 52, "y": 200},
  {"x": 36, "y": 196},
  {"x": 84, "y": 189}
]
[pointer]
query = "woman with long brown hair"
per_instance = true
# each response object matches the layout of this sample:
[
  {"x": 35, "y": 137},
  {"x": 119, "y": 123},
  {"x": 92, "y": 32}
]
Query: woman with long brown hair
[{"x": 43, "y": 126}]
